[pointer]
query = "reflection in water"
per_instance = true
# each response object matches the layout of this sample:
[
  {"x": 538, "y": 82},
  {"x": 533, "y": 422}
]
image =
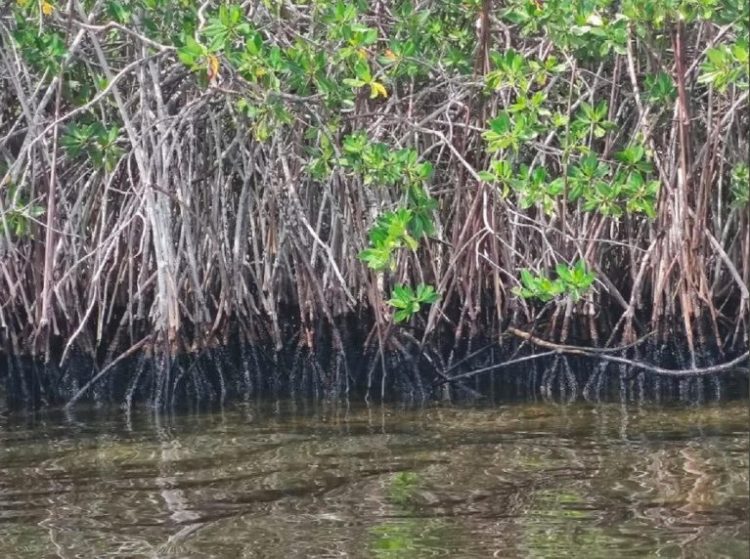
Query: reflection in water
[{"x": 310, "y": 479}]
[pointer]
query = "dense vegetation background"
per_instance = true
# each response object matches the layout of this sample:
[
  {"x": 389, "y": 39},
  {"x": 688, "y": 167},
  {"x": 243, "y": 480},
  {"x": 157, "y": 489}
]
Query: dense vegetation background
[{"x": 175, "y": 173}]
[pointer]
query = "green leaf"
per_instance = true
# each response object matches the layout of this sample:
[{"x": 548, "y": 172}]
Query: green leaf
[
  {"x": 401, "y": 315},
  {"x": 501, "y": 124},
  {"x": 563, "y": 272},
  {"x": 403, "y": 292},
  {"x": 362, "y": 71},
  {"x": 486, "y": 176},
  {"x": 426, "y": 294},
  {"x": 376, "y": 258},
  {"x": 353, "y": 83},
  {"x": 526, "y": 278}
]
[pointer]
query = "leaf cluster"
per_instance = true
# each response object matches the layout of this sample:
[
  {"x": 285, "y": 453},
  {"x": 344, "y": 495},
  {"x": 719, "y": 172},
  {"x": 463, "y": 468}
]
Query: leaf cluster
[
  {"x": 571, "y": 281},
  {"x": 407, "y": 301}
]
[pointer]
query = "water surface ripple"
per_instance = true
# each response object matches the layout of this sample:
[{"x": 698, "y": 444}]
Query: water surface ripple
[{"x": 304, "y": 480}]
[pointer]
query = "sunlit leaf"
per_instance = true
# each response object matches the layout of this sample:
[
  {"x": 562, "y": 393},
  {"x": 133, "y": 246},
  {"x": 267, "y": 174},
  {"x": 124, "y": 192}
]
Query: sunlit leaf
[{"x": 377, "y": 89}]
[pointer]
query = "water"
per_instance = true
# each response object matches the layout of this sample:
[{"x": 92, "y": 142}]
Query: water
[{"x": 306, "y": 480}]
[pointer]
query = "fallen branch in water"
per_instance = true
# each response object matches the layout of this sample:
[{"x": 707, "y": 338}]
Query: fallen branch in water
[
  {"x": 495, "y": 367},
  {"x": 104, "y": 371},
  {"x": 596, "y": 353},
  {"x": 604, "y": 354},
  {"x": 573, "y": 348}
]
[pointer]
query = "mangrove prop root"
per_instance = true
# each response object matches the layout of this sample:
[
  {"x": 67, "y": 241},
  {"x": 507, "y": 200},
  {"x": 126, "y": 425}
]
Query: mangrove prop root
[{"x": 150, "y": 188}]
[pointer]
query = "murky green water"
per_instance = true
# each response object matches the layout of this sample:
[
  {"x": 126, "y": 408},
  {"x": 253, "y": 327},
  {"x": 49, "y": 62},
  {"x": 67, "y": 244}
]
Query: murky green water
[{"x": 316, "y": 480}]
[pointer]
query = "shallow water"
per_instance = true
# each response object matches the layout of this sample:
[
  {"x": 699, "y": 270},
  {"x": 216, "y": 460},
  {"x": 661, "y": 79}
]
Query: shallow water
[{"x": 303, "y": 480}]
